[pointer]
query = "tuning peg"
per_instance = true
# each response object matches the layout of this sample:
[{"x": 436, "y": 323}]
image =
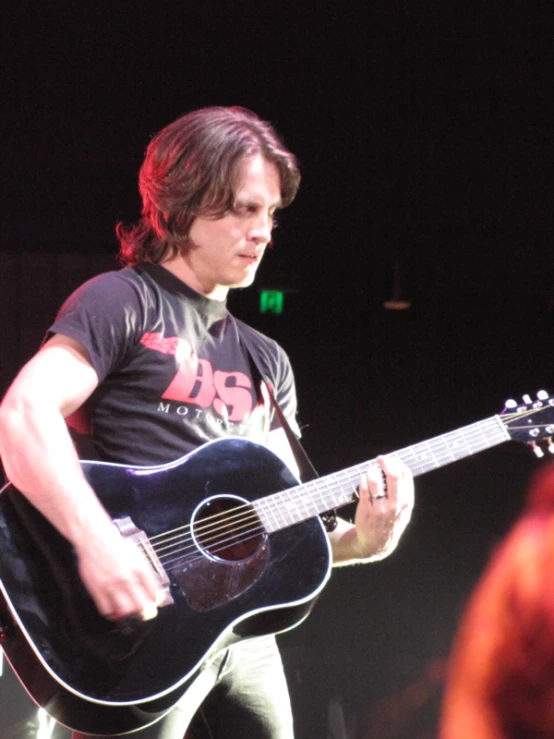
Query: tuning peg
[
  {"x": 527, "y": 399},
  {"x": 511, "y": 403},
  {"x": 537, "y": 450},
  {"x": 542, "y": 395}
]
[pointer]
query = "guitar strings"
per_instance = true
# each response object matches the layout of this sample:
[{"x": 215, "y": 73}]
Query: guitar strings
[
  {"x": 232, "y": 532},
  {"x": 174, "y": 547},
  {"x": 252, "y": 517}
]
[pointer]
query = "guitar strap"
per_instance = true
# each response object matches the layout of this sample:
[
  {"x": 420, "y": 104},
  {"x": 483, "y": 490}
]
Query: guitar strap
[
  {"x": 305, "y": 466},
  {"x": 306, "y": 469}
]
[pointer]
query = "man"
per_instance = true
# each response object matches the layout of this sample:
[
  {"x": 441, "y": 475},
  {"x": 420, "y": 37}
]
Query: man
[{"x": 146, "y": 364}]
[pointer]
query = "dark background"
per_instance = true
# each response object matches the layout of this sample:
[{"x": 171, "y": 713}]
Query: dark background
[{"x": 424, "y": 132}]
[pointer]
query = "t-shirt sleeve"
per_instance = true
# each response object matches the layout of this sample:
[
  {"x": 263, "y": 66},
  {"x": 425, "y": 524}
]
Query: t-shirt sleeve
[{"x": 103, "y": 315}]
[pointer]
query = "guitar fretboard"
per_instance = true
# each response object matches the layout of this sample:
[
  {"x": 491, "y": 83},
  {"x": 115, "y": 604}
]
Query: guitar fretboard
[{"x": 301, "y": 502}]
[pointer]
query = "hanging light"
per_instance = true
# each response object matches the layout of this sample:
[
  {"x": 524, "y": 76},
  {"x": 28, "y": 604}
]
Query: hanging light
[{"x": 397, "y": 299}]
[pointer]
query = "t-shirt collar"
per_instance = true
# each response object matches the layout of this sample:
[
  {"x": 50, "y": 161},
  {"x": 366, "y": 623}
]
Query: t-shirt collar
[{"x": 211, "y": 310}]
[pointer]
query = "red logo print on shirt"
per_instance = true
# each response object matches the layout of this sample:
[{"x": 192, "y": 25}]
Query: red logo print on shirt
[{"x": 229, "y": 393}]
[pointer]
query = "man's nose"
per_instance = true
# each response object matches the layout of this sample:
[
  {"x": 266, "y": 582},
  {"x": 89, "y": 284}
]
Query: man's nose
[{"x": 261, "y": 228}]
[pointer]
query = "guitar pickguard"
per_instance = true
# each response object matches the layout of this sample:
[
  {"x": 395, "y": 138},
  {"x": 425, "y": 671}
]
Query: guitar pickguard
[
  {"x": 230, "y": 553},
  {"x": 208, "y": 584}
]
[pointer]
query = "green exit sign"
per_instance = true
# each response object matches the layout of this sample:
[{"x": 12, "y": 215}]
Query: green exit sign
[{"x": 272, "y": 301}]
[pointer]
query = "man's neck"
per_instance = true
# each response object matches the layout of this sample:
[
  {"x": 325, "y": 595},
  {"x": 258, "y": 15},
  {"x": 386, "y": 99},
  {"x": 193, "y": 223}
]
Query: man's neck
[{"x": 179, "y": 267}]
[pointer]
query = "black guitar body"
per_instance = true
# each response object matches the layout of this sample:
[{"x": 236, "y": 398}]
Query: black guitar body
[{"x": 99, "y": 677}]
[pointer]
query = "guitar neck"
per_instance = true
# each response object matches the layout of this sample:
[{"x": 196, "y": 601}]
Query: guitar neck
[{"x": 301, "y": 502}]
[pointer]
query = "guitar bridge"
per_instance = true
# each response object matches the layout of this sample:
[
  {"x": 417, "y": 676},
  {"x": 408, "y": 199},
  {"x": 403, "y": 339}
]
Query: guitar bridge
[{"x": 128, "y": 530}]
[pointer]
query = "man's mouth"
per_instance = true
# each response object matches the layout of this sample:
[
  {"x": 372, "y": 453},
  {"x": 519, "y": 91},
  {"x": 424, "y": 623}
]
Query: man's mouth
[{"x": 251, "y": 257}]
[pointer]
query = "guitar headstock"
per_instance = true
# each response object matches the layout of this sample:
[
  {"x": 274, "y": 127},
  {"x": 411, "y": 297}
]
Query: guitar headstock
[{"x": 531, "y": 421}]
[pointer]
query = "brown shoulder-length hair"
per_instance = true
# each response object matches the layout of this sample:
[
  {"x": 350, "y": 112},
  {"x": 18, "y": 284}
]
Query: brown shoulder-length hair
[{"x": 190, "y": 169}]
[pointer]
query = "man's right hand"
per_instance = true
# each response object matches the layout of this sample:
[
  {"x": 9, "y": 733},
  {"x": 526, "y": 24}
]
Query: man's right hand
[{"x": 119, "y": 578}]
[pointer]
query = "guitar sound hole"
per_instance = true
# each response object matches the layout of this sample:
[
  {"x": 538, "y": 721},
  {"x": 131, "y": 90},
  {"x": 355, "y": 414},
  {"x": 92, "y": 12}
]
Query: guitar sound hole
[{"x": 228, "y": 528}]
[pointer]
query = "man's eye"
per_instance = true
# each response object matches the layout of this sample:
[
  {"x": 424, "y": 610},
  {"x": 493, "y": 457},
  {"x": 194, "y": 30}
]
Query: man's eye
[{"x": 245, "y": 210}]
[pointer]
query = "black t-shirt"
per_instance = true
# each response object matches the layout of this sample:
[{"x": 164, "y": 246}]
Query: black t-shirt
[{"x": 173, "y": 373}]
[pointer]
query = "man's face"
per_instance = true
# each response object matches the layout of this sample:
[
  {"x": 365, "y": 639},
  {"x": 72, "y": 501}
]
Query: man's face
[{"x": 227, "y": 252}]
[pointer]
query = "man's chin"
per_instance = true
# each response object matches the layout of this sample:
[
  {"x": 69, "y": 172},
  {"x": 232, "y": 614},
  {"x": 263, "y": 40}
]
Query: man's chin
[{"x": 245, "y": 282}]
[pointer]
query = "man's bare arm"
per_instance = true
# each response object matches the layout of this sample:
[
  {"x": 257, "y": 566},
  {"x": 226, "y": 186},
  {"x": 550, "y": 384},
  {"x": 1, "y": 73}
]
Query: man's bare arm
[{"x": 40, "y": 460}]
